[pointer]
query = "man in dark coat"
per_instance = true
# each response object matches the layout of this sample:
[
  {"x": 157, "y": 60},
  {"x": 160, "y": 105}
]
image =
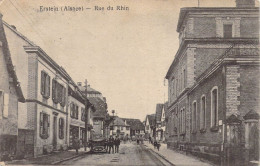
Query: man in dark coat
[
  {"x": 117, "y": 143},
  {"x": 111, "y": 143},
  {"x": 76, "y": 144}
]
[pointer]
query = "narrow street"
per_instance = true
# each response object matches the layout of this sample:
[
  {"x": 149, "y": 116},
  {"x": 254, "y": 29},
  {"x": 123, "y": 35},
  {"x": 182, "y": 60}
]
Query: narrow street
[{"x": 129, "y": 154}]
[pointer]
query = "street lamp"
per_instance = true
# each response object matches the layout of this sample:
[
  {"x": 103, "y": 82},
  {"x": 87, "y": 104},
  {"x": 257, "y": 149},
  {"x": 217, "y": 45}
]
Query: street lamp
[{"x": 113, "y": 112}]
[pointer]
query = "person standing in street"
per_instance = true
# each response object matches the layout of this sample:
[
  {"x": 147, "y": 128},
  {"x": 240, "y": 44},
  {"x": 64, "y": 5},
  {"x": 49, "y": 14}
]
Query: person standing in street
[
  {"x": 111, "y": 143},
  {"x": 117, "y": 143},
  {"x": 76, "y": 144}
]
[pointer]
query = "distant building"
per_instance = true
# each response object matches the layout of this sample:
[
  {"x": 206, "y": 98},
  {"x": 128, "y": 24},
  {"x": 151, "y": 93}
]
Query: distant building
[
  {"x": 149, "y": 123},
  {"x": 10, "y": 95},
  {"x": 160, "y": 122},
  {"x": 100, "y": 128},
  {"x": 119, "y": 127},
  {"x": 136, "y": 126},
  {"x": 213, "y": 84}
]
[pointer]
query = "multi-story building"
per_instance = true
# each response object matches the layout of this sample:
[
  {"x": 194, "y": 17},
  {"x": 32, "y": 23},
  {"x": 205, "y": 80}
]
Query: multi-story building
[
  {"x": 79, "y": 115},
  {"x": 214, "y": 82},
  {"x": 149, "y": 122},
  {"x": 10, "y": 95},
  {"x": 100, "y": 116},
  {"x": 119, "y": 127},
  {"x": 42, "y": 118},
  {"x": 136, "y": 127},
  {"x": 160, "y": 122}
]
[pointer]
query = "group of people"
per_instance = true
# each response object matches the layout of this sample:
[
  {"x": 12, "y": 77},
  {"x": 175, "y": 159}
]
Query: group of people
[
  {"x": 156, "y": 144},
  {"x": 112, "y": 144}
]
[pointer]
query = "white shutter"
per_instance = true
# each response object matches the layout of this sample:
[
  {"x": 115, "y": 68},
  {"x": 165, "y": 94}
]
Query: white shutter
[{"x": 6, "y": 103}]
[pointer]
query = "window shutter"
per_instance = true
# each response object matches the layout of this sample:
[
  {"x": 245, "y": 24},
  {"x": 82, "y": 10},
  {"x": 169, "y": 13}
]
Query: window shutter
[
  {"x": 60, "y": 128},
  {"x": 47, "y": 86},
  {"x": 6, "y": 103},
  {"x": 1, "y": 104},
  {"x": 41, "y": 123},
  {"x": 48, "y": 125},
  {"x": 63, "y": 96},
  {"x": 42, "y": 82},
  {"x": 53, "y": 89},
  {"x": 71, "y": 110}
]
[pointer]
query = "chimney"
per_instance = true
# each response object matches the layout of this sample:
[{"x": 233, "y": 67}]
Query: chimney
[
  {"x": 79, "y": 83},
  {"x": 245, "y": 3}
]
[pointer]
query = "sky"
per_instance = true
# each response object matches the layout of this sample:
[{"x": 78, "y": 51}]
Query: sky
[{"x": 123, "y": 54}]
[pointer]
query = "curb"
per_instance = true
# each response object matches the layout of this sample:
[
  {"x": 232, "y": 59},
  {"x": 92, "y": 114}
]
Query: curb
[
  {"x": 162, "y": 157},
  {"x": 69, "y": 158}
]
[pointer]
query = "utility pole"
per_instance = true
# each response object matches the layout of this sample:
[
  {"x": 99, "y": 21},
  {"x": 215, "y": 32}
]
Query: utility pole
[
  {"x": 86, "y": 116},
  {"x": 113, "y": 112}
]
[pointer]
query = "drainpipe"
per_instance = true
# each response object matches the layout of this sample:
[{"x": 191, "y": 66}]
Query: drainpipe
[
  {"x": 86, "y": 117},
  {"x": 224, "y": 128}
]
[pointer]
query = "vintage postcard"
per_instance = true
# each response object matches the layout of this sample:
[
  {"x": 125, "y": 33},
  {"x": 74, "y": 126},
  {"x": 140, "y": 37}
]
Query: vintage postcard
[{"x": 129, "y": 82}]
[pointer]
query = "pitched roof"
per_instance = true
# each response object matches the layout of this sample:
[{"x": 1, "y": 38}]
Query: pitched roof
[
  {"x": 89, "y": 90},
  {"x": 151, "y": 119},
  {"x": 159, "y": 108},
  {"x": 100, "y": 107},
  {"x": 118, "y": 122},
  {"x": 9, "y": 63},
  {"x": 135, "y": 124}
]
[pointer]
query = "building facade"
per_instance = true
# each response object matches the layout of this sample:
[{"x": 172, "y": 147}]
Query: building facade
[
  {"x": 136, "y": 127},
  {"x": 119, "y": 127},
  {"x": 149, "y": 123},
  {"x": 160, "y": 122},
  {"x": 10, "y": 95},
  {"x": 43, "y": 117},
  {"x": 213, "y": 82}
]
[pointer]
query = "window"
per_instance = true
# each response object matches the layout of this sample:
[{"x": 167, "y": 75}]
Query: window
[
  {"x": 214, "y": 106},
  {"x": 184, "y": 78},
  {"x": 74, "y": 111},
  {"x": 122, "y": 128},
  {"x": 61, "y": 128},
  {"x": 203, "y": 113},
  {"x": 44, "y": 125},
  {"x": 194, "y": 116},
  {"x": 58, "y": 93},
  {"x": 4, "y": 104},
  {"x": 83, "y": 114},
  {"x": 127, "y": 128},
  {"x": 227, "y": 30},
  {"x": 183, "y": 120},
  {"x": 45, "y": 84}
]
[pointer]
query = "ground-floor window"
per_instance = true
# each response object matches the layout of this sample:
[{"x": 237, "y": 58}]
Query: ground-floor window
[
  {"x": 44, "y": 125},
  {"x": 61, "y": 128}
]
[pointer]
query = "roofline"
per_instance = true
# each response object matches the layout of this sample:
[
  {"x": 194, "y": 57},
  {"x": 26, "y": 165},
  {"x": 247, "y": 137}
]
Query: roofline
[
  {"x": 203, "y": 40},
  {"x": 18, "y": 33},
  {"x": 184, "y": 11},
  {"x": 9, "y": 64}
]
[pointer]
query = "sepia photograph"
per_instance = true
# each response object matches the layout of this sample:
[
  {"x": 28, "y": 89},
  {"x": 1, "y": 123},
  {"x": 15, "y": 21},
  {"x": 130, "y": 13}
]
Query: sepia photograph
[{"x": 129, "y": 82}]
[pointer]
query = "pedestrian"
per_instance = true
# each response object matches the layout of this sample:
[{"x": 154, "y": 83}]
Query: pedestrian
[
  {"x": 117, "y": 143},
  {"x": 137, "y": 140},
  {"x": 154, "y": 144},
  {"x": 150, "y": 139},
  {"x": 111, "y": 144},
  {"x": 76, "y": 144},
  {"x": 158, "y": 145},
  {"x": 106, "y": 144}
]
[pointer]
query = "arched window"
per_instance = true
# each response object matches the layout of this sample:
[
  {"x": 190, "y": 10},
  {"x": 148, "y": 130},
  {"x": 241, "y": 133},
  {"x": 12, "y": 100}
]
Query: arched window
[
  {"x": 203, "y": 112},
  {"x": 214, "y": 106},
  {"x": 194, "y": 115}
]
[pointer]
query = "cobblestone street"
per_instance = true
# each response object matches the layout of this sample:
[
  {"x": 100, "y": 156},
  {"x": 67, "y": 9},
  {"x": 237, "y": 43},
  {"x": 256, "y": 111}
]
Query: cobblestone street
[{"x": 129, "y": 154}]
